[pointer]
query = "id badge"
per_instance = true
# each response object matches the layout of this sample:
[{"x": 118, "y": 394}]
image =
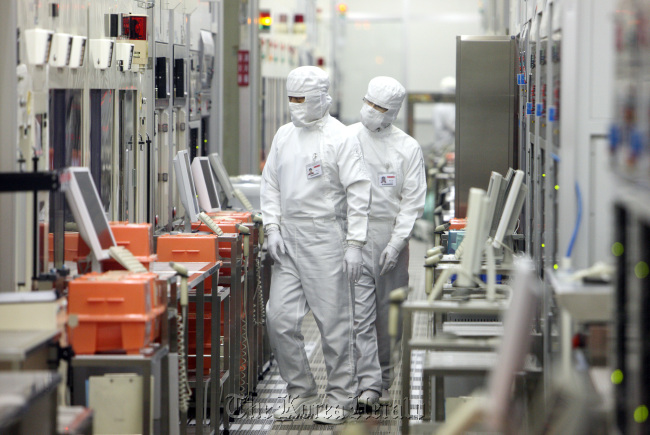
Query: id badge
[
  {"x": 314, "y": 170},
  {"x": 387, "y": 180}
]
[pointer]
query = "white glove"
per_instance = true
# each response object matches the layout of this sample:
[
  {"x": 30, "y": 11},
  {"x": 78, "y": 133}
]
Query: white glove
[
  {"x": 388, "y": 259},
  {"x": 352, "y": 262},
  {"x": 275, "y": 244}
]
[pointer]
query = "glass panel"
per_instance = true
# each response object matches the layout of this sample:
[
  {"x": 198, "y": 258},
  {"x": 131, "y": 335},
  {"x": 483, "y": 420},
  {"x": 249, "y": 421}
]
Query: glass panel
[
  {"x": 101, "y": 144},
  {"x": 126, "y": 155},
  {"x": 65, "y": 150}
]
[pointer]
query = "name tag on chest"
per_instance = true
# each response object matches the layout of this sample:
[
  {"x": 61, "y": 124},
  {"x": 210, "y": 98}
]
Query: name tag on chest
[
  {"x": 387, "y": 180},
  {"x": 314, "y": 170}
]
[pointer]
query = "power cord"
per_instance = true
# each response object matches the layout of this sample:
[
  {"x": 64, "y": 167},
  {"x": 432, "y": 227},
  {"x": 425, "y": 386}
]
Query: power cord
[{"x": 184, "y": 390}]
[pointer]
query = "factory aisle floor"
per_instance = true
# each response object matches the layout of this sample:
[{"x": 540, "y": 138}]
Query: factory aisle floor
[{"x": 258, "y": 419}]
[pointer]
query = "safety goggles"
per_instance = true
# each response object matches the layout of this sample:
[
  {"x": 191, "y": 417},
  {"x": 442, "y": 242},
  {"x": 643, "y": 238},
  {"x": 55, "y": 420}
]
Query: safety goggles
[{"x": 375, "y": 106}]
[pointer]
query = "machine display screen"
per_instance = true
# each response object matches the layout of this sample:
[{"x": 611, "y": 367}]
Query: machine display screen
[
  {"x": 95, "y": 209},
  {"x": 209, "y": 182},
  {"x": 221, "y": 174},
  {"x": 188, "y": 171}
]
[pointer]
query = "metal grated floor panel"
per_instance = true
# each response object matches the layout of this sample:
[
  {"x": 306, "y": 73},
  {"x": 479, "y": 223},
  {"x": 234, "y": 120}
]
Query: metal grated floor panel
[{"x": 258, "y": 419}]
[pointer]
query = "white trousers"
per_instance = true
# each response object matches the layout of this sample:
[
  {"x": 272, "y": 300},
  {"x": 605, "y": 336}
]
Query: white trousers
[
  {"x": 374, "y": 370},
  {"x": 311, "y": 277}
]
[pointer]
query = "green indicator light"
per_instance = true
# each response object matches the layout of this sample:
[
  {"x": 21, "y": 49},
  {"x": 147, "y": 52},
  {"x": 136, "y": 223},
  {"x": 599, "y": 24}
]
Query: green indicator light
[
  {"x": 557, "y": 187},
  {"x": 543, "y": 175},
  {"x": 543, "y": 246},
  {"x": 641, "y": 414},
  {"x": 617, "y": 377},
  {"x": 555, "y": 266},
  {"x": 641, "y": 270},
  {"x": 617, "y": 249}
]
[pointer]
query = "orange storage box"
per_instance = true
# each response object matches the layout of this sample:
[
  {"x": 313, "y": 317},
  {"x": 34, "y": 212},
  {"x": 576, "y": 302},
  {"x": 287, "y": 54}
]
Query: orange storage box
[
  {"x": 188, "y": 247},
  {"x": 116, "y": 311},
  {"x": 137, "y": 238},
  {"x": 75, "y": 247},
  {"x": 227, "y": 226},
  {"x": 457, "y": 223},
  {"x": 245, "y": 216}
]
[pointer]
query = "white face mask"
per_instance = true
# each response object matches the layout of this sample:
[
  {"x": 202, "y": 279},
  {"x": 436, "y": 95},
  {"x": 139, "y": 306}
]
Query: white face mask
[
  {"x": 301, "y": 115},
  {"x": 309, "y": 112},
  {"x": 372, "y": 119}
]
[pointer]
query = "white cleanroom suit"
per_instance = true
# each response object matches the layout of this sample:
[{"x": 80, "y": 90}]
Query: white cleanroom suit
[
  {"x": 394, "y": 161},
  {"x": 314, "y": 189}
]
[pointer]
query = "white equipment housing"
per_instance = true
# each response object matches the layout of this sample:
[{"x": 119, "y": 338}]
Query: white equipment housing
[
  {"x": 78, "y": 51},
  {"x": 61, "y": 50},
  {"x": 38, "y": 43},
  {"x": 124, "y": 55},
  {"x": 101, "y": 52}
]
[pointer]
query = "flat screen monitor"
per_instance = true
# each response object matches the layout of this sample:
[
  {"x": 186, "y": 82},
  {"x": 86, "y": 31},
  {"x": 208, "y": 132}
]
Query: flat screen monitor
[
  {"x": 504, "y": 188},
  {"x": 206, "y": 185},
  {"x": 493, "y": 192},
  {"x": 222, "y": 177},
  {"x": 185, "y": 184},
  {"x": 475, "y": 237},
  {"x": 515, "y": 196},
  {"x": 88, "y": 211}
]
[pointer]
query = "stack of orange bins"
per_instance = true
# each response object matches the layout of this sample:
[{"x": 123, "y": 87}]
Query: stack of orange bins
[
  {"x": 137, "y": 238},
  {"x": 116, "y": 311},
  {"x": 188, "y": 247},
  {"x": 227, "y": 221}
]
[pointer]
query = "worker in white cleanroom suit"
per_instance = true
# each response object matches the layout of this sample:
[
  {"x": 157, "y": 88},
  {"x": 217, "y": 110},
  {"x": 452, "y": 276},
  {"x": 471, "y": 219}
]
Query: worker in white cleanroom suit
[
  {"x": 314, "y": 189},
  {"x": 394, "y": 161}
]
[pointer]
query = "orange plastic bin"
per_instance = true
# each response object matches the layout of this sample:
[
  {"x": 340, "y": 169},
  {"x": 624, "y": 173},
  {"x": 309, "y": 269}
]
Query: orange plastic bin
[{"x": 115, "y": 312}]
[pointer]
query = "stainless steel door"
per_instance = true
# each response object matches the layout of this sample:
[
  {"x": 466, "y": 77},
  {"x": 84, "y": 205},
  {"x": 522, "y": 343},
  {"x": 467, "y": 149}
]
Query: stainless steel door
[{"x": 486, "y": 121}]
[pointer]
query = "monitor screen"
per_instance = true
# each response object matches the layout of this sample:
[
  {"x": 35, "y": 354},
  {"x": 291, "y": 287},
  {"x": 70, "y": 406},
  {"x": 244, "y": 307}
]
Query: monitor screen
[
  {"x": 222, "y": 176},
  {"x": 209, "y": 181},
  {"x": 95, "y": 209},
  {"x": 88, "y": 211},
  {"x": 504, "y": 190},
  {"x": 186, "y": 162},
  {"x": 206, "y": 185},
  {"x": 494, "y": 189},
  {"x": 475, "y": 237},
  {"x": 185, "y": 183},
  {"x": 512, "y": 206}
]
